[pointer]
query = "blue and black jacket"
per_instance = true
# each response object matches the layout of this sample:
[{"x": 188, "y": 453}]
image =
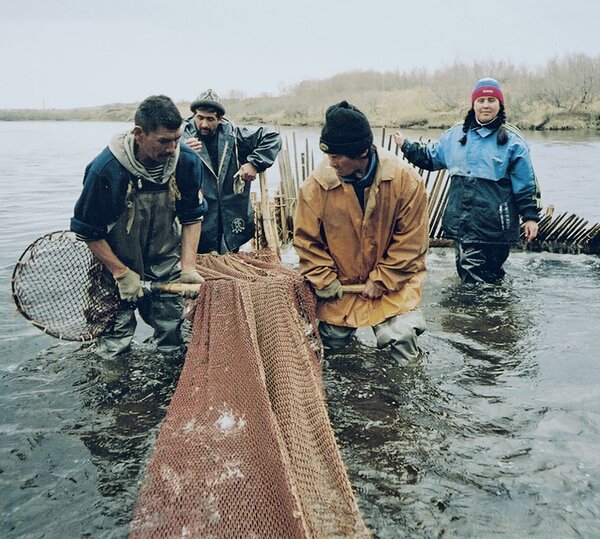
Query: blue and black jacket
[{"x": 491, "y": 185}]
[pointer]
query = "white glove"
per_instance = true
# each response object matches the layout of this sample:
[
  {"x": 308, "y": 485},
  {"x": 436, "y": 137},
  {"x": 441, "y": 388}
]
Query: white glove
[{"x": 130, "y": 285}]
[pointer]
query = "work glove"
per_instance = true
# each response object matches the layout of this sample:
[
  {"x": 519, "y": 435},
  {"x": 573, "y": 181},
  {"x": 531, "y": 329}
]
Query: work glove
[
  {"x": 332, "y": 291},
  {"x": 191, "y": 277},
  {"x": 130, "y": 285}
]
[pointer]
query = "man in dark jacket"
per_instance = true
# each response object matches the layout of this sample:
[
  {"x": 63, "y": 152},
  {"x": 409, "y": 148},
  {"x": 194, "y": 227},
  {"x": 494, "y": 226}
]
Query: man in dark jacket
[
  {"x": 140, "y": 214},
  {"x": 232, "y": 157}
]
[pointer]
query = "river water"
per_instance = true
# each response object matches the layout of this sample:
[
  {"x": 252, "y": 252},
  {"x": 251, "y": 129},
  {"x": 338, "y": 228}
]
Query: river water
[{"x": 495, "y": 433}]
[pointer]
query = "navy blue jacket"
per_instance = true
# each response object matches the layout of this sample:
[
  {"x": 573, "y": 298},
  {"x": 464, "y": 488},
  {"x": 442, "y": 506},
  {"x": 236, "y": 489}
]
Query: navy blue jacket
[{"x": 105, "y": 185}]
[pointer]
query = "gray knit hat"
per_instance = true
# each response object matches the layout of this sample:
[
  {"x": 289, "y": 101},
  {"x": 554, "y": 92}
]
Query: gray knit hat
[
  {"x": 208, "y": 100},
  {"x": 346, "y": 131}
]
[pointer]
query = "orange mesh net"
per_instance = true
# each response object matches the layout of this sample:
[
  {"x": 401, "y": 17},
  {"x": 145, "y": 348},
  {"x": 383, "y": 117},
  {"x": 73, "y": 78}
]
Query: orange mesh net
[{"x": 246, "y": 449}]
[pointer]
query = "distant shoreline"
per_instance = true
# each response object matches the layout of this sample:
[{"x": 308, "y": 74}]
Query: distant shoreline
[
  {"x": 245, "y": 115},
  {"x": 564, "y": 95}
]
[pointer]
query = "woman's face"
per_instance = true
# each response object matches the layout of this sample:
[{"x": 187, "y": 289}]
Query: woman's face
[{"x": 486, "y": 108}]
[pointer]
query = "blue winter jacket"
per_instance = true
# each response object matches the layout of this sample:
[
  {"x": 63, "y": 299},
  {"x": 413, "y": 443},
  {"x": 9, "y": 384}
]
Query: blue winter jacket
[{"x": 491, "y": 185}]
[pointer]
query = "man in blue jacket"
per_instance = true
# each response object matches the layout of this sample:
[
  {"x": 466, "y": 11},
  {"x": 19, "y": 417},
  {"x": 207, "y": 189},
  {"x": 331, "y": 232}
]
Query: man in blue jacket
[
  {"x": 492, "y": 184},
  {"x": 140, "y": 214},
  {"x": 231, "y": 156}
]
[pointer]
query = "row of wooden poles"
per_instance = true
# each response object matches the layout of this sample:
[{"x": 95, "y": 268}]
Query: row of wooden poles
[{"x": 563, "y": 233}]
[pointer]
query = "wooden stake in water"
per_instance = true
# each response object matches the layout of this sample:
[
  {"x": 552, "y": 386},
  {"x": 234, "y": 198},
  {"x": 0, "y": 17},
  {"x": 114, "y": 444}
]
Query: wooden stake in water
[{"x": 269, "y": 226}]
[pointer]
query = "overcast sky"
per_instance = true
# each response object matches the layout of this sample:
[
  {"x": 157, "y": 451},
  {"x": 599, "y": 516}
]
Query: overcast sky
[{"x": 72, "y": 53}]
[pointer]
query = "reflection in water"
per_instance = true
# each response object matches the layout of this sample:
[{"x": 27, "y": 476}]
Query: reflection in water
[
  {"x": 381, "y": 416},
  {"x": 494, "y": 433},
  {"x": 487, "y": 313},
  {"x": 433, "y": 449},
  {"x": 489, "y": 325},
  {"x": 469, "y": 441},
  {"x": 129, "y": 397}
]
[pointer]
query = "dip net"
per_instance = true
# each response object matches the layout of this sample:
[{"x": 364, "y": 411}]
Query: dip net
[
  {"x": 246, "y": 449},
  {"x": 62, "y": 289}
]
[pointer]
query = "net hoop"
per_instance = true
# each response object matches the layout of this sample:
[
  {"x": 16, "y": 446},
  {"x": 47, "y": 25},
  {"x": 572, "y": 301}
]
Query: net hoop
[{"x": 60, "y": 287}]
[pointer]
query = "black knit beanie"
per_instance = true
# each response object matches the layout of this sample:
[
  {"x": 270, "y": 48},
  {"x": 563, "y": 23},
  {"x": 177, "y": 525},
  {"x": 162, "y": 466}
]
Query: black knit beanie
[{"x": 346, "y": 131}]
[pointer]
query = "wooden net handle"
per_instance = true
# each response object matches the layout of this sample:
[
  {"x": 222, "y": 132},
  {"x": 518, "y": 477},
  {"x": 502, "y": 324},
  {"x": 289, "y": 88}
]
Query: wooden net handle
[
  {"x": 180, "y": 288},
  {"x": 173, "y": 288},
  {"x": 353, "y": 288}
]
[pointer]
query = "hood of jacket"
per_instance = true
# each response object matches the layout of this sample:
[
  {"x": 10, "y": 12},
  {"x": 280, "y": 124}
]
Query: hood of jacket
[{"x": 122, "y": 146}]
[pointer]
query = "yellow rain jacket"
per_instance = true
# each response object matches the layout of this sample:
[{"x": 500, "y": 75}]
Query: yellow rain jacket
[{"x": 387, "y": 244}]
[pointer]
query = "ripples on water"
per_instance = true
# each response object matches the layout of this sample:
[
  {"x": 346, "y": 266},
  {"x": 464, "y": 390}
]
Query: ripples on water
[
  {"x": 76, "y": 436},
  {"x": 493, "y": 433}
]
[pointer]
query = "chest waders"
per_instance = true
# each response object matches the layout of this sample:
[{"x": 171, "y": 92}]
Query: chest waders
[
  {"x": 146, "y": 237},
  {"x": 480, "y": 262},
  {"x": 398, "y": 334}
]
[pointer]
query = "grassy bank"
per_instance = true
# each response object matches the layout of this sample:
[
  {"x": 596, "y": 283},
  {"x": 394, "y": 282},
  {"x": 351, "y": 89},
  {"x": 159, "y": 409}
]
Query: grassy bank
[
  {"x": 563, "y": 94},
  {"x": 398, "y": 109}
]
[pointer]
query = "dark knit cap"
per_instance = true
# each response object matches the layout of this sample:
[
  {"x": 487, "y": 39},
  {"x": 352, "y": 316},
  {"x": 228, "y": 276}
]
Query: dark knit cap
[
  {"x": 208, "y": 100},
  {"x": 346, "y": 131}
]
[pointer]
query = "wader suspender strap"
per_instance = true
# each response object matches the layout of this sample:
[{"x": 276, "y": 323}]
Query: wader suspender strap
[
  {"x": 235, "y": 151},
  {"x": 130, "y": 201},
  {"x": 173, "y": 189},
  {"x": 130, "y": 204}
]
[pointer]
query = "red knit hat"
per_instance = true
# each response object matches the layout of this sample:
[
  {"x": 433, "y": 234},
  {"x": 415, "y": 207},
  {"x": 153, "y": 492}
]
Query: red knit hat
[{"x": 488, "y": 88}]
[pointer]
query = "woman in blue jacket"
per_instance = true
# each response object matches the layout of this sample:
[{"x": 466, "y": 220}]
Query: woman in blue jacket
[{"x": 492, "y": 184}]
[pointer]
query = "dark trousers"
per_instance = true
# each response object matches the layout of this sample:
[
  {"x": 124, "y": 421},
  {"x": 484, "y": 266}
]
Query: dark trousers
[{"x": 480, "y": 262}]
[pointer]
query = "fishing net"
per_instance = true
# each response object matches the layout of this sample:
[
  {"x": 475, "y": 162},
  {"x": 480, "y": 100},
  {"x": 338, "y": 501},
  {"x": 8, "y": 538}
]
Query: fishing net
[
  {"x": 64, "y": 290},
  {"x": 60, "y": 287},
  {"x": 246, "y": 449}
]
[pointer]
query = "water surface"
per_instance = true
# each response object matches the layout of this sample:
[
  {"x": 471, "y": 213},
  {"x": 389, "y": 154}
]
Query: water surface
[{"x": 493, "y": 434}]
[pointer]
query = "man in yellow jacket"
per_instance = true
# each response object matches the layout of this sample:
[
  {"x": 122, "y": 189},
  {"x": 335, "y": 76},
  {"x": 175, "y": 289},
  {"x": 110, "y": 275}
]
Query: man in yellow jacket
[{"x": 361, "y": 218}]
